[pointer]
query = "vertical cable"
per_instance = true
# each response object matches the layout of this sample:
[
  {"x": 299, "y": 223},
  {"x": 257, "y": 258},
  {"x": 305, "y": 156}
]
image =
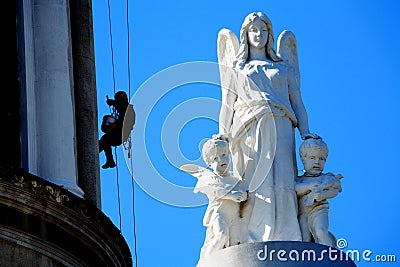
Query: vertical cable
[
  {"x": 113, "y": 75},
  {"x": 129, "y": 139},
  {"x": 133, "y": 214},
  {"x": 119, "y": 199},
  {"x": 129, "y": 65},
  {"x": 111, "y": 42}
]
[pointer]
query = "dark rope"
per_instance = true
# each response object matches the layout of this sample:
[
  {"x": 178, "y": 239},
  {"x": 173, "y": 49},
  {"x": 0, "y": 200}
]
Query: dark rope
[
  {"x": 111, "y": 41},
  {"x": 129, "y": 140},
  {"x": 115, "y": 148},
  {"x": 119, "y": 199}
]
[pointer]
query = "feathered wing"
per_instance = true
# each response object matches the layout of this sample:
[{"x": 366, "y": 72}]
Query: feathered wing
[
  {"x": 227, "y": 47},
  {"x": 287, "y": 50},
  {"x": 203, "y": 175},
  {"x": 197, "y": 171}
]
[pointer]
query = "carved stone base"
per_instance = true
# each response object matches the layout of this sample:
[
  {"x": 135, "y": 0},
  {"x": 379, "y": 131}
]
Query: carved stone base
[
  {"x": 277, "y": 254},
  {"x": 42, "y": 224}
]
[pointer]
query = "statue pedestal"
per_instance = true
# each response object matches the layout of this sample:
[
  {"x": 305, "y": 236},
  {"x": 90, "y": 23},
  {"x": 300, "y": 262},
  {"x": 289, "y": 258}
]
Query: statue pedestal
[{"x": 278, "y": 254}]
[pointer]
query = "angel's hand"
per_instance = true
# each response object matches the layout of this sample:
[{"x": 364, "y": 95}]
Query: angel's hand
[
  {"x": 309, "y": 135},
  {"x": 222, "y": 136},
  {"x": 318, "y": 197},
  {"x": 237, "y": 196},
  {"x": 245, "y": 195}
]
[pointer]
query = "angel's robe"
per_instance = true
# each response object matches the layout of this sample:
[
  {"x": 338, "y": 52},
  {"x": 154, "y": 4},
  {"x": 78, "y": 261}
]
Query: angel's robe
[{"x": 263, "y": 149}]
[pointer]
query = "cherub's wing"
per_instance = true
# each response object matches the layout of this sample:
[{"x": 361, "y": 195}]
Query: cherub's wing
[
  {"x": 197, "y": 171},
  {"x": 287, "y": 50},
  {"x": 203, "y": 175},
  {"x": 227, "y": 47}
]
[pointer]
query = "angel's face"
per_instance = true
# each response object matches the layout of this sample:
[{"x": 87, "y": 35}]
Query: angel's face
[
  {"x": 258, "y": 34},
  {"x": 220, "y": 163}
]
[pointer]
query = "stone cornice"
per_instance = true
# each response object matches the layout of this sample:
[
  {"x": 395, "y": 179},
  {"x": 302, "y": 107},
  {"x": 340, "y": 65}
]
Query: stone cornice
[{"x": 52, "y": 204}]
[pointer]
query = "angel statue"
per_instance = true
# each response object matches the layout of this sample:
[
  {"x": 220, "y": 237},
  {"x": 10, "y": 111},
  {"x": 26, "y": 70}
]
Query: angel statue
[
  {"x": 222, "y": 214},
  {"x": 261, "y": 107}
]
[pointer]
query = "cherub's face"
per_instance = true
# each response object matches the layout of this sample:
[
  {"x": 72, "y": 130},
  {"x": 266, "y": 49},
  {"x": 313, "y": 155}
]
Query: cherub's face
[
  {"x": 258, "y": 34},
  {"x": 314, "y": 161},
  {"x": 221, "y": 162}
]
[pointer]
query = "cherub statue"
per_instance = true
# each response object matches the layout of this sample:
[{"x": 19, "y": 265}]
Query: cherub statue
[
  {"x": 313, "y": 189},
  {"x": 222, "y": 214}
]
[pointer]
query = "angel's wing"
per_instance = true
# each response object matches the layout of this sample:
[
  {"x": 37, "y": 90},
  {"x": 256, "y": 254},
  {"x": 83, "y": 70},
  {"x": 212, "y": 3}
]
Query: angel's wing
[
  {"x": 197, "y": 171},
  {"x": 287, "y": 50},
  {"x": 227, "y": 47}
]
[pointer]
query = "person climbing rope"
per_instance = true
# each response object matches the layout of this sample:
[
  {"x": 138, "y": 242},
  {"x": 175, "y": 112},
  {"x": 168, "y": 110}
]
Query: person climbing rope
[{"x": 116, "y": 127}]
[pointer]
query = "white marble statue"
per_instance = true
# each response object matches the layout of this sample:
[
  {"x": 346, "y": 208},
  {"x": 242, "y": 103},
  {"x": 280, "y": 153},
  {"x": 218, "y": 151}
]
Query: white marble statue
[
  {"x": 261, "y": 107},
  {"x": 222, "y": 214},
  {"x": 313, "y": 189}
]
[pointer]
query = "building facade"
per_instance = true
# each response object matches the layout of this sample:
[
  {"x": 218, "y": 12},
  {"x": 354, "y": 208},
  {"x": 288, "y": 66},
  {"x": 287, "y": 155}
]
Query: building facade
[{"x": 49, "y": 168}]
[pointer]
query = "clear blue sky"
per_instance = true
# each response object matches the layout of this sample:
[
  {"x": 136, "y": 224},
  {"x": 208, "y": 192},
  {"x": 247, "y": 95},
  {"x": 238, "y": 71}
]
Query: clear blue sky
[{"x": 348, "y": 53}]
